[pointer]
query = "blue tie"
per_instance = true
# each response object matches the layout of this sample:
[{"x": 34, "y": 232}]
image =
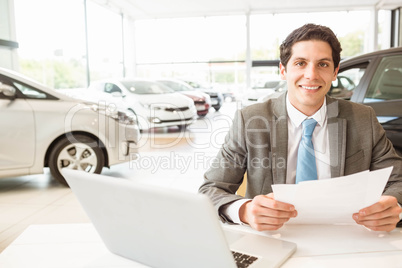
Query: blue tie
[{"x": 306, "y": 167}]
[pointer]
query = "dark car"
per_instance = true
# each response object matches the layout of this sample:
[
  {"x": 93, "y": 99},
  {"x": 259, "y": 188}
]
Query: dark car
[{"x": 375, "y": 79}]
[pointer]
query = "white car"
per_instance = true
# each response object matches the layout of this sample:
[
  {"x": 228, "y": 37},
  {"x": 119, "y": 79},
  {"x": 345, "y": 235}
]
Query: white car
[
  {"x": 264, "y": 90},
  {"x": 40, "y": 127},
  {"x": 154, "y": 104}
]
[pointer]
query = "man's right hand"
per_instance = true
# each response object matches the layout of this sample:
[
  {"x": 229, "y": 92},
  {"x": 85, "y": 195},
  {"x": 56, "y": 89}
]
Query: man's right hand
[{"x": 265, "y": 213}]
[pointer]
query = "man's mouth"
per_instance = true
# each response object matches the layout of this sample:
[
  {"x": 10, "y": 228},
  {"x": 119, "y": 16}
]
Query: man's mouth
[{"x": 310, "y": 88}]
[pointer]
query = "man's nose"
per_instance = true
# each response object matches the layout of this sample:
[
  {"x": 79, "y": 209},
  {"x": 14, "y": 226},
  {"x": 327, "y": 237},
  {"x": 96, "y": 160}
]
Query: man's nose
[{"x": 311, "y": 72}]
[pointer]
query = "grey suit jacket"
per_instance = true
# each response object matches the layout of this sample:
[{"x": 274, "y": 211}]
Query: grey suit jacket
[{"x": 257, "y": 144}]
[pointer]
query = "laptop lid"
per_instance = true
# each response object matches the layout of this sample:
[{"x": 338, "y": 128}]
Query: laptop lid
[{"x": 163, "y": 227}]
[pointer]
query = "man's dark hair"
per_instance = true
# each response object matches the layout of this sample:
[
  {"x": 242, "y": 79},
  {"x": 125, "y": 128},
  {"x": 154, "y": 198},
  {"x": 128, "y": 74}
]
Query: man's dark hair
[{"x": 310, "y": 32}]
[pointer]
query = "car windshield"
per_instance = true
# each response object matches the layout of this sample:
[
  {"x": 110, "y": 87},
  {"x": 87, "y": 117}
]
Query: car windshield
[
  {"x": 176, "y": 86},
  {"x": 146, "y": 87}
]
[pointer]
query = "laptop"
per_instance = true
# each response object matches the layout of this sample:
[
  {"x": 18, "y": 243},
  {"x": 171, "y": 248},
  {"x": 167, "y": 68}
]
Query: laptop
[{"x": 163, "y": 227}]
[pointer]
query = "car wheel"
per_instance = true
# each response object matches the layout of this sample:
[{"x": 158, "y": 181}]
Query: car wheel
[
  {"x": 228, "y": 99},
  {"x": 182, "y": 127},
  {"x": 78, "y": 152}
]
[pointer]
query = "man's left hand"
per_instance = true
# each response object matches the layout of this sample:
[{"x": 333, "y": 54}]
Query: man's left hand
[{"x": 382, "y": 216}]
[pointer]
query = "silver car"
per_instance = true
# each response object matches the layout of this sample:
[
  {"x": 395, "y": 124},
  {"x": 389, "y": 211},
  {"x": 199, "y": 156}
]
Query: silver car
[
  {"x": 40, "y": 127},
  {"x": 154, "y": 104}
]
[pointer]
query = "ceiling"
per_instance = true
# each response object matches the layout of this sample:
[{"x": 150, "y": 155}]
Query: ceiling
[{"x": 153, "y": 9}]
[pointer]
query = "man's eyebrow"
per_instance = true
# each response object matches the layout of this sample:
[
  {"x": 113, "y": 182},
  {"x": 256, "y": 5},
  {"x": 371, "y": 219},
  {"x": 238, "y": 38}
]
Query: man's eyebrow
[
  {"x": 299, "y": 58},
  {"x": 304, "y": 59},
  {"x": 326, "y": 59}
]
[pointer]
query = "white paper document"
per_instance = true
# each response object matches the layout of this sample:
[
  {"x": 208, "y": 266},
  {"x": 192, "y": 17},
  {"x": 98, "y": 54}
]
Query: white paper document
[{"x": 333, "y": 201}]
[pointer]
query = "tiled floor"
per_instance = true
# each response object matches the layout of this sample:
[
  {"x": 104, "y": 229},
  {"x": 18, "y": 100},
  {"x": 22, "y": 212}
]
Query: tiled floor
[{"x": 168, "y": 158}]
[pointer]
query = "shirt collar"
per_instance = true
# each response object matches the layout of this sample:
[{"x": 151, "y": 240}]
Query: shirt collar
[{"x": 297, "y": 117}]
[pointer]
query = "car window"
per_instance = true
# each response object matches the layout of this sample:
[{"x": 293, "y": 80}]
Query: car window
[
  {"x": 111, "y": 88},
  {"x": 346, "y": 81},
  {"x": 271, "y": 84},
  {"x": 176, "y": 86},
  {"x": 387, "y": 81},
  {"x": 29, "y": 92},
  {"x": 147, "y": 87},
  {"x": 193, "y": 84}
]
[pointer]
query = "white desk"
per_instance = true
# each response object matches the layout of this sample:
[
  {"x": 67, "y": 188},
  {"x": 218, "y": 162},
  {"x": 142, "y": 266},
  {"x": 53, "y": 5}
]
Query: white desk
[{"x": 78, "y": 245}]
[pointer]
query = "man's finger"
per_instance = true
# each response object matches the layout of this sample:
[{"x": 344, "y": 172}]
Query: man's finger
[
  {"x": 385, "y": 203},
  {"x": 268, "y": 202}
]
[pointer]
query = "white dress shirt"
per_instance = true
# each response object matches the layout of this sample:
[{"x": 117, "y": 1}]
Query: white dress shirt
[{"x": 320, "y": 141}]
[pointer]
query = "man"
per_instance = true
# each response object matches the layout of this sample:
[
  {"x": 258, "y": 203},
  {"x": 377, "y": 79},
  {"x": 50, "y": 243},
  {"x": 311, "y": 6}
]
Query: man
[{"x": 264, "y": 141}]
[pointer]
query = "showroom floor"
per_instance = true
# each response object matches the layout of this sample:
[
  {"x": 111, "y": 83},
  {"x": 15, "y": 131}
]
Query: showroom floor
[{"x": 169, "y": 158}]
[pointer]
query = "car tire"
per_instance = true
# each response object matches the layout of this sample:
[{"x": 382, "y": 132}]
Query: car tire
[
  {"x": 228, "y": 99},
  {"x": 78, "y": 152},
  {"x": 182, "y": 127}
]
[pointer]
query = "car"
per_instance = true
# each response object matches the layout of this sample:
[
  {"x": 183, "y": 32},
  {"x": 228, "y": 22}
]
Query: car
[
  {"x": 154, "y": 104},
  {"x": 40, "y": 127},
  {"x": 263, "y": 90},
  {"x": 377, "y": 82},
  {"x": 228, "y": 95},
  {"x": 202, "y": 101},
  {"x": 216, "y": 96}
]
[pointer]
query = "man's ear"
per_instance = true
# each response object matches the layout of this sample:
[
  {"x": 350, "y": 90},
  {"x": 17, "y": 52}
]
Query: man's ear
[
  {"x": 282, "y": 70},
  {"x": 335, "y": 73}
]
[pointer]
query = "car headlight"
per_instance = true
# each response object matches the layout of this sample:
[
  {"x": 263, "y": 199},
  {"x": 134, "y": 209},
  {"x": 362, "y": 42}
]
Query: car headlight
[
  {"x": 152, "y": 106},
  {"x": 125, "y": 118},
  {"x": 113, "y": 112},
  {"x": 154, "y": 120}
]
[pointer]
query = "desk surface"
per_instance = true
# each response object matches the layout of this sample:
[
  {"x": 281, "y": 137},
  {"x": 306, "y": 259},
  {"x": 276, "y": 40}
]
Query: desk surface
[{"x": 78, "y": 245}]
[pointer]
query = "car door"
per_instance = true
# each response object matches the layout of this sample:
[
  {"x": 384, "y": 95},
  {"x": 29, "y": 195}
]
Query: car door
[
  {"x": 384, "y": 94},
  {"x": 378, "y": 83},
  {"x": 17, "y": 131}
]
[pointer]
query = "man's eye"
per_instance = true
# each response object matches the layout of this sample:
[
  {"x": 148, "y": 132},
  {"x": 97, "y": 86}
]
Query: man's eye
[
  {"x": 323, "y": 64},
  {"x": 299, "y": 63}
]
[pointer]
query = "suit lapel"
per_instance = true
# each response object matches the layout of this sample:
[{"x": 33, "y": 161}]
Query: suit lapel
[
  {"x": 279, "y": 141},
  {"x": 337, "y": 138}
]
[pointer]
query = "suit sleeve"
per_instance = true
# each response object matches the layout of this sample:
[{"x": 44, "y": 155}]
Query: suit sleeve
[{"x": 226, "y": 173}]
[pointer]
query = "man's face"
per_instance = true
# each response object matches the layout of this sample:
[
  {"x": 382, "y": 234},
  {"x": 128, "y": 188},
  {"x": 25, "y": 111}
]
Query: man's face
[{"x": 309, "y": 74}]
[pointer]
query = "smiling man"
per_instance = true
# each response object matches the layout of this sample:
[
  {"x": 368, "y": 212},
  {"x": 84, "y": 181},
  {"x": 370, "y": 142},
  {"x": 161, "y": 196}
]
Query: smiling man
[{"x": 302, "y": 135}]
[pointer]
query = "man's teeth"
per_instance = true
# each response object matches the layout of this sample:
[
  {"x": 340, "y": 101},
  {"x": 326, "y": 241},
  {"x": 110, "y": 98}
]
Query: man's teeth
[{"x": 310, "y": 87}]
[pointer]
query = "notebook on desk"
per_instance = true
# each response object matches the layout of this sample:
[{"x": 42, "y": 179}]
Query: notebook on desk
[{"x": 163, "y": 227}]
